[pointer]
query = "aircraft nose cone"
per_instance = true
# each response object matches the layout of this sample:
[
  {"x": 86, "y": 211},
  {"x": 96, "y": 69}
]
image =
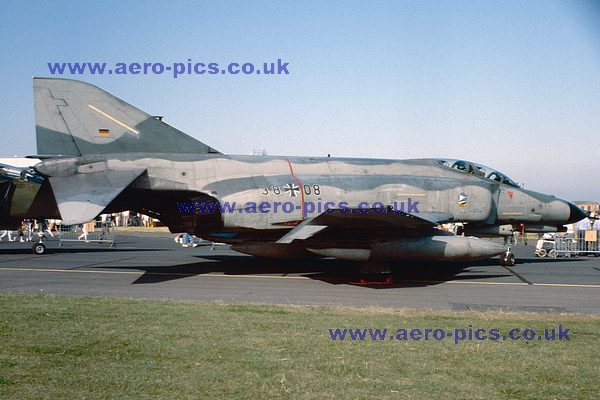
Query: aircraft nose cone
[{"x": 576, "y": 214}]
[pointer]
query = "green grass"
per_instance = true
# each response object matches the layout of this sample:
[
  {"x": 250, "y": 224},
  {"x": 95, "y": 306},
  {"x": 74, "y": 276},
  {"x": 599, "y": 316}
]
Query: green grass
[{"x": 96, "y": 348}]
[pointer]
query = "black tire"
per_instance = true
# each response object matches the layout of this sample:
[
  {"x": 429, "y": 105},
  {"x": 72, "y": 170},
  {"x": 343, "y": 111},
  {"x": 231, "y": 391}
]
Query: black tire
[
  {"x": 542, "y": 253},
  {"x": 510, "y": 260},
  {"x": 553, "y": 253},
  {"x": 38, "y": 248},
  {"x": 507, "y": 260}
]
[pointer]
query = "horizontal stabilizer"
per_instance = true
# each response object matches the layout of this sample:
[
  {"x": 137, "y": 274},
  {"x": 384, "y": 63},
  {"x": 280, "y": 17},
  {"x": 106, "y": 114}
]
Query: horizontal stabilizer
[{"x": 82, "y": 197}]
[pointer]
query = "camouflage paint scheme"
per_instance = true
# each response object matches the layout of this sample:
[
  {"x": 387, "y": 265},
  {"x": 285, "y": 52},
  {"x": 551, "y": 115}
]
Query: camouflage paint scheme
[{"x": 104, "y": 155}]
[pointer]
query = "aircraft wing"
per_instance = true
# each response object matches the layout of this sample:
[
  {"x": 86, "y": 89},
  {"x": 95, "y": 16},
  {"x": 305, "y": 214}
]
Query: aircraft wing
[{"x": 364, "y": 219}]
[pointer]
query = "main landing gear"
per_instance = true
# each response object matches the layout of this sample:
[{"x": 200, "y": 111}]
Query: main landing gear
[{"x": 375, "y": 273}]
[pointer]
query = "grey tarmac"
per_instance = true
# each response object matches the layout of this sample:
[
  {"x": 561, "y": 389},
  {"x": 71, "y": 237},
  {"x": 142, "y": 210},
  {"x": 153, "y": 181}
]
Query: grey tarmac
[{"x": 153, "y": 266}]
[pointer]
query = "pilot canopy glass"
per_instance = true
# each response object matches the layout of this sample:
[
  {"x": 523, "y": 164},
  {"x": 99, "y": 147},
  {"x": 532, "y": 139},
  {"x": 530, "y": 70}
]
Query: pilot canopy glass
[{"x": 478, "y": 170}]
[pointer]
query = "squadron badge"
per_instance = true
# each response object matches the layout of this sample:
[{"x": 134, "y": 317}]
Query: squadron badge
[{"x": 463, "y": 199}]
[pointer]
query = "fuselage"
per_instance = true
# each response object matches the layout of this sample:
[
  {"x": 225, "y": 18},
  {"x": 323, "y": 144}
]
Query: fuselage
[{"x": 264, "y": 193}]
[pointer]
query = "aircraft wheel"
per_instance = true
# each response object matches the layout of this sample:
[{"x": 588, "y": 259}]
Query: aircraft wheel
[
  {"x": 542, "y": 253},
  {"x": 552, "y": 253},
  {"x": 39, "y": 248},
  {"x": 507, "y": 260}
]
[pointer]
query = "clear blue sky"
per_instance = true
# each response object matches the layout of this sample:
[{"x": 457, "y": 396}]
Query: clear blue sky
[{"x": 511, "y": 84}]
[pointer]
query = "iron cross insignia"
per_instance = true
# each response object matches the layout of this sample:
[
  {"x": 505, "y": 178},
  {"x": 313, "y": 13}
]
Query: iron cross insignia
[{"x": 291, "y": 188}]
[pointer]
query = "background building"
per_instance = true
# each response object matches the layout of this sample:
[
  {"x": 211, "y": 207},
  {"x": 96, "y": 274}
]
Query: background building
[{"x": 588, "y": 206}]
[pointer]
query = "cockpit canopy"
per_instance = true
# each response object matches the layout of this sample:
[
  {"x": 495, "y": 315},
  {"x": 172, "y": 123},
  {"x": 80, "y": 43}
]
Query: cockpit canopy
[{"x": 478, "y": 170}]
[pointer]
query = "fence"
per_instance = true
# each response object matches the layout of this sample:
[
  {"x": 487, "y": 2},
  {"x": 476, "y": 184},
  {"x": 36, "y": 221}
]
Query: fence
[
  {"x": 578, "y": 244},
  {"x": 89, "y": 232}
]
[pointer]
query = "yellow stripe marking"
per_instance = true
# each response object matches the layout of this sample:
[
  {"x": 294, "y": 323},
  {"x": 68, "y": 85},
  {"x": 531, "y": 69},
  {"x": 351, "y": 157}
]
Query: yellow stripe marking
[
  {"x": 565, "y": 285},
  {"x": 113, "y": 119},
  {"x": 489, "y": 283}
]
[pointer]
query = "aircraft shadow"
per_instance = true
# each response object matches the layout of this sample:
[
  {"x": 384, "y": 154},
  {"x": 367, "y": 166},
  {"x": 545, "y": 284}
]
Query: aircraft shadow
[{"x": 331, "y": 271}]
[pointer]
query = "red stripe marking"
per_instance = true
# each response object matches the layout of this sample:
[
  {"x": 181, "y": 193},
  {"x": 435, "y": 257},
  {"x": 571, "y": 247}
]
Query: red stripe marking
[{"x": 299, "y": 185}]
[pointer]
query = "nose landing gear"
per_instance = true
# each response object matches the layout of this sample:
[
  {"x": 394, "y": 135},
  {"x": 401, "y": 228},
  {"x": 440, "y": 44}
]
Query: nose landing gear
[{"x": 507, "y": 259}]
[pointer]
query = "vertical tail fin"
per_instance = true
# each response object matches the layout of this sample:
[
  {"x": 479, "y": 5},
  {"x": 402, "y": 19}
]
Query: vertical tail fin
[{"x": 77, "y": 118}]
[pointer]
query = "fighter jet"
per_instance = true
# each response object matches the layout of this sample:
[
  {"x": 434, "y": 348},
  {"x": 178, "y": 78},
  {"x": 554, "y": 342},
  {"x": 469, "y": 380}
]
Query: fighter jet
[{"x": 103, "y": 155}]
